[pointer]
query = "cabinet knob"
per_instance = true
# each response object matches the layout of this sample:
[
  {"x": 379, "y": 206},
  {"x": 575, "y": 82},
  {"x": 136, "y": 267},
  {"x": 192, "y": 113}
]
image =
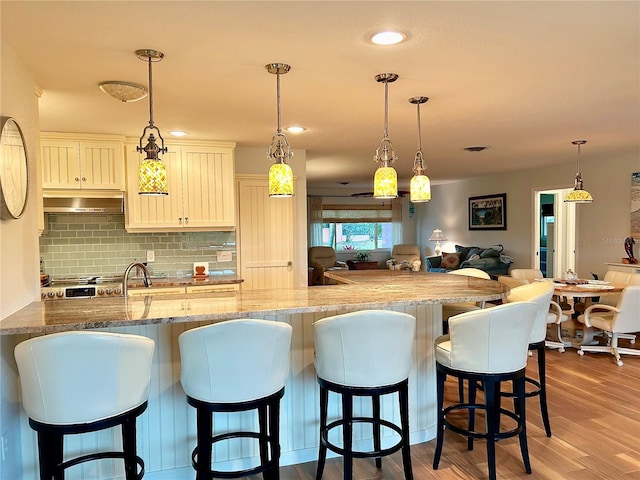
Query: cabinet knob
[
  {"x": 84, "y": 179},
  {"x": 76, "y": 179},
  {"x": 186, "y": 219}
]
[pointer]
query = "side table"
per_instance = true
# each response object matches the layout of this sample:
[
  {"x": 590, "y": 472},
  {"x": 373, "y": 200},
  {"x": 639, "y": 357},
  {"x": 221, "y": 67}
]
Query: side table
[{"x": 362, "y": 265}]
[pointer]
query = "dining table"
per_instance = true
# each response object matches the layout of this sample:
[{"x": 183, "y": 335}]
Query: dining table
[{"x": 587, "y": 290}]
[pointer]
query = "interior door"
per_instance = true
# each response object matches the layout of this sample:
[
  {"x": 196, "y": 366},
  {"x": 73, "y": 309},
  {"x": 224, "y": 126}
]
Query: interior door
[
  {"x": 560, "y": 235},
  {"x": 265, "y": 236}
]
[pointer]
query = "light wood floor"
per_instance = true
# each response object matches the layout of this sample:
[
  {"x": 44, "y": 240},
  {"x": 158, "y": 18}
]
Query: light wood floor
[{"x": 595, "y": 418}]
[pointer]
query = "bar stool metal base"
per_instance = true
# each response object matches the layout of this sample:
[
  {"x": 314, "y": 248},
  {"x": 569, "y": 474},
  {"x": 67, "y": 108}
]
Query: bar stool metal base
[
  {"x": 491, "y": 386},
  {"x": 346, "y": 422},
  {"x": 51, "y": 439},
  {"x": 268, "y": 436}
]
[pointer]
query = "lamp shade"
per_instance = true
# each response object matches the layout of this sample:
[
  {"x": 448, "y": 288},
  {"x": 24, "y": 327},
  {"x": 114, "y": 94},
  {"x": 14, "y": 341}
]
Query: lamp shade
[
  {"x": 152, "y": 177},
  {"x": 280, "y": 180},
  {"x": 420, "y": 189},
  {"x": 437, "y": 235},
  {"x": 579, "y": 196},
  {"x": 385, "y": 183}
]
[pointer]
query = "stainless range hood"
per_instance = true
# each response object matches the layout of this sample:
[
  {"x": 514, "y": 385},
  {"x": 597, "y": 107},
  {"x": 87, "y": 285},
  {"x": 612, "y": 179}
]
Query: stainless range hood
[{"x": 83, "y": 205}]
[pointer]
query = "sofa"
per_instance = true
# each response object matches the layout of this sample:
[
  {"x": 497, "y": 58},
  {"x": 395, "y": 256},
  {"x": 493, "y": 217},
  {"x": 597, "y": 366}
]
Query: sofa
[{"x": 490, "y": 259}]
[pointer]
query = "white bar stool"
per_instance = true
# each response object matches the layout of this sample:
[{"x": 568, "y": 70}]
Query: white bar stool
[
  {"x": 488, "y": 346},
  {"x": 364, "y": 354},
  {"x": 236, "y": 366},
  {"x": 79, "y": 382},
  {"x": 539, "y": 293}
]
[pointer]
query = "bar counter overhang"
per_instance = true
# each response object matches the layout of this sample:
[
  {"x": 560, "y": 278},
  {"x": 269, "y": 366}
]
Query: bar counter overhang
[{"x": 166, "y": 431}]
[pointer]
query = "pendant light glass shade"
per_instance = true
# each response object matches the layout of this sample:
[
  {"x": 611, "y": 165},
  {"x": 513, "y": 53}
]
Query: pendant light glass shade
[
  {"x": 578, "y": 194},
  {"x": 385, "y": 181},
  {"x": 420, "y": 186},
  {"x": 280, "y": 173},
  {"x": 152, "y": 174}
]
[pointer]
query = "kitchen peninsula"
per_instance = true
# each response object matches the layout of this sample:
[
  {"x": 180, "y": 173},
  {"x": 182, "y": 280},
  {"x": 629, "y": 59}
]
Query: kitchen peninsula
[{"x": 167, "y": 429}]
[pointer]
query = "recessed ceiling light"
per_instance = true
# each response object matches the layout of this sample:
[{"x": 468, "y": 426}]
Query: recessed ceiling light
[
  {"x": 388, "y": 38},
  {"x": 178, "y": 133},
  {"x": 295, "y": 129}
]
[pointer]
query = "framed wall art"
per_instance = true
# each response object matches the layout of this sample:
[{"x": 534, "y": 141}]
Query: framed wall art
[{"x": 488, "y": 212}]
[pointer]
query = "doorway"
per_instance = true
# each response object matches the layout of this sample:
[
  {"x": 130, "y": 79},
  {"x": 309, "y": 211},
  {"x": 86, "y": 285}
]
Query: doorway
[{"x": 554, "y": 232}]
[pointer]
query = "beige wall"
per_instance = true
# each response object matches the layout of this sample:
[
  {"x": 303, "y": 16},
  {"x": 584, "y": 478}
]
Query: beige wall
[
  {"x": 19, "y": 260},
  {"x": 601, "y": 226}
]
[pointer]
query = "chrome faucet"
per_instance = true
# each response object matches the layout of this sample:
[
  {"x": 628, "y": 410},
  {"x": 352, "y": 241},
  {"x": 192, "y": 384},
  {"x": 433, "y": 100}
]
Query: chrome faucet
[{"x": 139, "y": 268}]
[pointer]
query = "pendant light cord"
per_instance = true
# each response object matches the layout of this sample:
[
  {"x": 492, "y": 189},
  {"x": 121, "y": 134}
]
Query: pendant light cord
[
  {"x": 150, "y": 94},
  {"x": 278, "y": 100}
]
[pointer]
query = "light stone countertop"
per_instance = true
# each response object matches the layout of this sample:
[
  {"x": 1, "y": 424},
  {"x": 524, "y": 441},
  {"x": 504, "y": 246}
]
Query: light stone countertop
[{"x": 367, "y": 289}]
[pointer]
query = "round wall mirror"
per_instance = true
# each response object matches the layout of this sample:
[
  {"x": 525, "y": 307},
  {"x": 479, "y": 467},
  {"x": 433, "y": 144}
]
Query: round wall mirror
[{"x": 14, "y": 170}]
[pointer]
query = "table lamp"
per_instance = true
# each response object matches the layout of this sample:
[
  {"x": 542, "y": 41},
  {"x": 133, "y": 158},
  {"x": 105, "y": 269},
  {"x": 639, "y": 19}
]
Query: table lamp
[{"x": 437, "y": 236}]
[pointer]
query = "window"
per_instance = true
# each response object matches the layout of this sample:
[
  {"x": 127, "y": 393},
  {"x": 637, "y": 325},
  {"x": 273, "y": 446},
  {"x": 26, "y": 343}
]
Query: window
[{"x": 356, "y": 227}]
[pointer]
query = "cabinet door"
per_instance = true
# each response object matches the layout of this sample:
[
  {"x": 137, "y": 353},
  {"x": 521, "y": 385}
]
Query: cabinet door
[
  {"x": 151, "y": 212},
  {"x": 60, "y": 164},
  {"x": 101, "y": 166},
  {"x": 208, "y": 187}
]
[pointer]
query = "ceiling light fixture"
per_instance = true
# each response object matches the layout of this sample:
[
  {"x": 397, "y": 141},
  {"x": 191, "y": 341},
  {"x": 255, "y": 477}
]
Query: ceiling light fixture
[
  {"x": 388, "y": 38},
  {"x": 385, "y": 182},
  {"x": 124, "y": 91},
  {"x": 295, "y": 129},
  {"x": 152, "y": 174},
  {"x": 578, "y": 194},
  {"x": 178, "y": 133},
  {"x": 280, "y": 173},
  {"x": 420, "y": 186}
]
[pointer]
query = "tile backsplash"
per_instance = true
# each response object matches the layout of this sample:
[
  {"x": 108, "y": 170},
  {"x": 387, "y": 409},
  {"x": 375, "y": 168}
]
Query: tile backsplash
[{"x": 97, "y": 244}]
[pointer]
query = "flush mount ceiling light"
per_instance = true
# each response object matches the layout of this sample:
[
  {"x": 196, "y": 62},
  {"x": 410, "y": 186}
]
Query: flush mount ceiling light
[
  {"x": 388, "y": 38},
  {"x": 280, "y": 173},
  {"x": 578, "y": 194},
  {"x": 385, "y": 182},
  {"x": 477, "y": 148},
  {"x": 420, "y": 186},
  {"x": 124, "y": 91},
  {"x": 152, "y": 174},
  {"x": 178, "y": 133},
  {"x": 295, "y": 129}
]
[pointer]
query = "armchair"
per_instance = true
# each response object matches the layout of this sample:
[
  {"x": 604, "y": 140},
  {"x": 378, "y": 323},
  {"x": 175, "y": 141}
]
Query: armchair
[
  {"x": 404, "y": 252},
  {"x": 322, "y": 259},
  {"x": 618, "y": 320}
]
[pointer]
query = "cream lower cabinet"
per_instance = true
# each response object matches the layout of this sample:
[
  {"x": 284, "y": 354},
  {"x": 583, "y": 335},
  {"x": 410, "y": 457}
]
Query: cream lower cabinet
[
  {"x": 200, "y": 180},
  {"x": 82, "y": 161}
]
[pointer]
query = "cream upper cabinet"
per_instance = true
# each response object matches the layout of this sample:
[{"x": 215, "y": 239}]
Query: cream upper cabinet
[
  {"x": 82, "y": 162},
  {"x": 200, "y": 180}
]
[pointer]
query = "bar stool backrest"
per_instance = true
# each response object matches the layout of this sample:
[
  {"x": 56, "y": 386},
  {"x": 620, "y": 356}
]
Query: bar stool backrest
[
  {"x": 471, "y": 272},
  {"x": 528, "y": 274},
  {"x": 492, "y": 340},
  {"x": 539, "y": 293},
  {"x": 369, "y": 348},
  {"x": 235, "y": 360},
  {"x": 81, "y": 377}
]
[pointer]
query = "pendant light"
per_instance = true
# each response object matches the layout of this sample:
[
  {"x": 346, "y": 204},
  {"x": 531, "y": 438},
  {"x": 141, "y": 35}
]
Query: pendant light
[
  {"x": 385, "y": 182},
  {"x": 152, "y": 174},
  {"x": 420, "y": 186},
  {"x": 578, "y": 194},
  {"x": 280, "y": 173}
]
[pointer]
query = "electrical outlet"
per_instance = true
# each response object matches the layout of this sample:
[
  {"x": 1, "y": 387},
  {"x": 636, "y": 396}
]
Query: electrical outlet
[
  {"x": 151, "y": 256},
  {"x": 224, "y": 256}
]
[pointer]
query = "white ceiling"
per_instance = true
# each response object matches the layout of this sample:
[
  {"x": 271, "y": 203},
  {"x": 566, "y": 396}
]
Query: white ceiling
[{"x": 526, "y": 78}]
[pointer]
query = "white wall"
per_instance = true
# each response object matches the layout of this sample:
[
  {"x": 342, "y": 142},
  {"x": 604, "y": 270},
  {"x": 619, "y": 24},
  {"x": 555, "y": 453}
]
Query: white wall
[
  {"x": 601, "y": 226},
  {"x": 19, "y": 262}
]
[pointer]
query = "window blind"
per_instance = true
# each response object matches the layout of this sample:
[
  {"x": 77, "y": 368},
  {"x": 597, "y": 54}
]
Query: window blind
[{"x": 356, "y": 213}]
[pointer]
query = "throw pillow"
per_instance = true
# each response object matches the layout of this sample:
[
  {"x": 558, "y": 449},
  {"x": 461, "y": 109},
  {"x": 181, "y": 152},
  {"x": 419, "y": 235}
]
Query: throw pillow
[
  {"x": 450, "y": 261},
  {"x": 489, "y": 252}
]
